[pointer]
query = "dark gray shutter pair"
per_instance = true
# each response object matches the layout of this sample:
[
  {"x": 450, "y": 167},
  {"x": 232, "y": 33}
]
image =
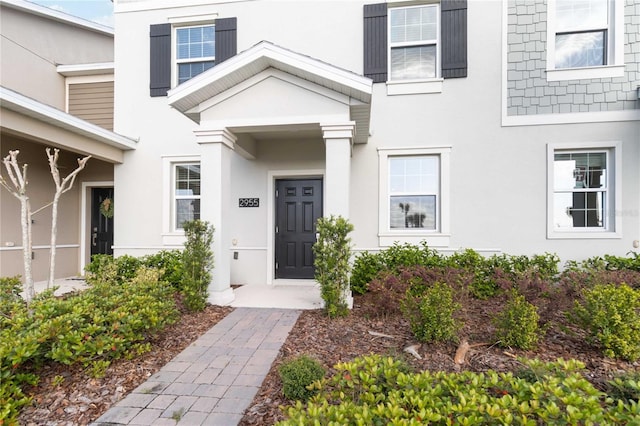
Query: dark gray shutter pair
[
  {"x": 453, "y": 41},
  {"x": 160, "y": 52}
]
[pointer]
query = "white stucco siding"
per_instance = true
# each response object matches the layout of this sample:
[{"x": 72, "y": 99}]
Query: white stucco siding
[
  {"x": 275, "y": 99},
  {"x": 498, "y": 175}
]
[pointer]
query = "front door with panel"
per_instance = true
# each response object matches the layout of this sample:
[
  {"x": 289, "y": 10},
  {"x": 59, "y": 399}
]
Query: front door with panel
[
  {"x": 298, "y": 207},
  {"x": 101, "y": 221}
]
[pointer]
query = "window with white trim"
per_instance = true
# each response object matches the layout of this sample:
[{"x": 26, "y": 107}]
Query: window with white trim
[
  {"x": 414, "y": 195},
  {"x": 186, "y": 193},
  {"x": 414, "y": 192},
  {"x": 582, "y": 28},
  {"x": 585, "y": 39},
  {"x": 413, "y": 42},
  {"x": 195, "y": 50},
  {"x": 582, "y": 191}
]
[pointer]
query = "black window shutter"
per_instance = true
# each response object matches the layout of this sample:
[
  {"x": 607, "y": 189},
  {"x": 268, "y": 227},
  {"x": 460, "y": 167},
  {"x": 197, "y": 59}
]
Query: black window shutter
[
  {"x": 375, "y": 42},
  {"x": 226, "y": 39},
  {"x": 454, "y": 38},
  {"x": 160, "y": 64}
]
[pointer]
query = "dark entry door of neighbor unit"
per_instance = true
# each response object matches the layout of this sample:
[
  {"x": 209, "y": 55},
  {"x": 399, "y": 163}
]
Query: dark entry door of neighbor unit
[
  {"x": 101, "y": 223},
  {"x": 298, "y": 206}
]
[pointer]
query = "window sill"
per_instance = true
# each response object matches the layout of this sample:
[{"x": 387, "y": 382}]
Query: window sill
[
  {"x": 581, "y": 235},
  {"x": 414, "y": 87},
  {"x": 412, "y": 237},
  {"x": 607, "y": 71}
]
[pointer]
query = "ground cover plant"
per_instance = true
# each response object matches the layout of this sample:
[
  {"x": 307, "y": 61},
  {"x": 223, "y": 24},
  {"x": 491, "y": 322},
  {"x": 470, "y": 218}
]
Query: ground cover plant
[
  {"x": 373, "y": 390},
  {"x": 64, "y": 393},
  {"x": 92, "y": 328},
  {"x": 520, "y": 324}
]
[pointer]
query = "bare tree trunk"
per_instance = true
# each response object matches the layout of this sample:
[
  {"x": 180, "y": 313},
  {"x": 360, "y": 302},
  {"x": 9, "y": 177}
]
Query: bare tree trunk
[
  {"x": 54, "y": 237},
  {"x": 19, "y": 190},
  {"x": 62, "y": 186}
]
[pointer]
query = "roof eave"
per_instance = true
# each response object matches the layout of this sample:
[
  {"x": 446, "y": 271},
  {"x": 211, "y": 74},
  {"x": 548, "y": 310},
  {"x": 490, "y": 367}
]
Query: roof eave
[{"x": 24, "y": 105}]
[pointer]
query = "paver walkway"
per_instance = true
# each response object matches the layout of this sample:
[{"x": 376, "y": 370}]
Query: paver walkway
[{"x": 213, "y": 380}]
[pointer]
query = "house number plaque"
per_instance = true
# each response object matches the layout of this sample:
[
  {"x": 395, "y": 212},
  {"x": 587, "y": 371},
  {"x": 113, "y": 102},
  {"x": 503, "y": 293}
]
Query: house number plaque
[{"x": 248, "y": 202}]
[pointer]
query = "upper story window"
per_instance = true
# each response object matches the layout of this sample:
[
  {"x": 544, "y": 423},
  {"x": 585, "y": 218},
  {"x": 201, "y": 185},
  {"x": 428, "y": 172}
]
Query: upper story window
[
  {"x": 180, "y": 52},
  {"x": 195, "y": 51},
  {"x": 414, "y": 48},
  {"x": 582, "y": 28},
  {"x": 585, "y": 39},
  {"x": 413, "y": 42}
]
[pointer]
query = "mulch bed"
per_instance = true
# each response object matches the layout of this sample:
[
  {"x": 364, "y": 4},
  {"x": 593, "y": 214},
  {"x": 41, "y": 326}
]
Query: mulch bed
[
  {"x": 342, "y": 339},
  {"x": 79, "y": 399}
]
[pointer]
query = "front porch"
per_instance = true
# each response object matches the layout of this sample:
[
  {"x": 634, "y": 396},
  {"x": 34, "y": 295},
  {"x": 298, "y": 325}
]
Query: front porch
[{"x": 277, "y": 128}]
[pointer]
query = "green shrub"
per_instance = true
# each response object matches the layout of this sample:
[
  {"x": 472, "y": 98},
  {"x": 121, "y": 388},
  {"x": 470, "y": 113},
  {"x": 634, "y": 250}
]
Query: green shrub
[
  {"x": 517, "y": 324},
  {"x": 610, "y": 315},
  {"x": 170, "y": 262},
  {"x": 431, "y": 314},
  {"x": 102, "y": 269},
  {"x": 116, "y": 270},
  {"x": 625, "y": 387},
  {"x": 607, "y": 262},
  {"x": 366, "y": 267},
  {"x": 374, "y": 391},
  {"x": 616, "y": 263},
  {"x": 10, "y": 288},
  {"x": 101, "y": 323},
  {"x": 332, "y": 252},
  {"x": 297, "y": 374},
  {"x": 12, "y": 398},
  {"x": 197, "y": 260},
  {"x": 106, "y": 268}
]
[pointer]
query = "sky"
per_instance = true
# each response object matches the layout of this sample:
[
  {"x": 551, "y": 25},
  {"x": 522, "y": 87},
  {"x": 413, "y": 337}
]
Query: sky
[{"x": 100, "y": 11}]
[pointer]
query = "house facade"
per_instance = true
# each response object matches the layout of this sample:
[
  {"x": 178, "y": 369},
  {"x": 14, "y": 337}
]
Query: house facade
[
  {"x": 508, "y": 126},
  {"x": 56, "y": 91}
]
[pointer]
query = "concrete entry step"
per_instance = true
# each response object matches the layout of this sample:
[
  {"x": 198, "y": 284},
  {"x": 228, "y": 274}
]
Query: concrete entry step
[{"x": 293, "y": 295}]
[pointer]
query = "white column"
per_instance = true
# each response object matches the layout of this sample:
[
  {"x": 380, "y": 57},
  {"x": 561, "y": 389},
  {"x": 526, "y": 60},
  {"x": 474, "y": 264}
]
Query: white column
[
  {"x": 338, "y": 139},
  {"x": 215, "y": 175}
]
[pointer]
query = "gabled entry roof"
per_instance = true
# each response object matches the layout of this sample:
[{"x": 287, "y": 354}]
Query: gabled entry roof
[{"x": 265, "y": 55}]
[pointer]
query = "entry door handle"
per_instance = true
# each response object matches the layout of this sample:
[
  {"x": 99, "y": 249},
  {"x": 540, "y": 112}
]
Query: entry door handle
[{"x": 94, "y": 237}]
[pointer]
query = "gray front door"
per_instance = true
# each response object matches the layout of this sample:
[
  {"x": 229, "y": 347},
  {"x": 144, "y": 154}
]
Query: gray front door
[{"x": 298, "y": 207}]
